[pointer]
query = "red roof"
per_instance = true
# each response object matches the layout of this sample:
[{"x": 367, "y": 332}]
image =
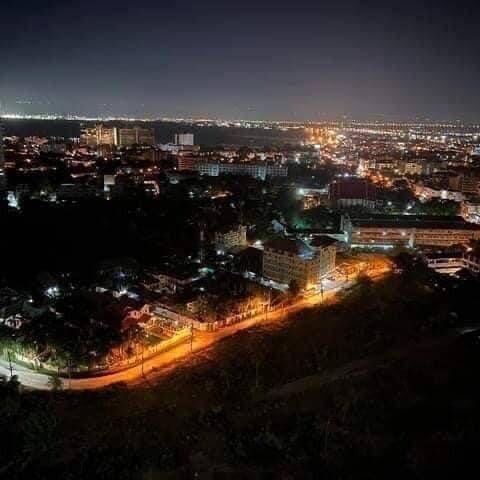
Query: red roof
[{"x": 352, "y": 189}]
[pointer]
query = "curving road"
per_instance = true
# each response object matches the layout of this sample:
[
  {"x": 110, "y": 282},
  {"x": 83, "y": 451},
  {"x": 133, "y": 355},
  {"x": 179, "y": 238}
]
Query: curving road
[{"x": 179, "y": 354}]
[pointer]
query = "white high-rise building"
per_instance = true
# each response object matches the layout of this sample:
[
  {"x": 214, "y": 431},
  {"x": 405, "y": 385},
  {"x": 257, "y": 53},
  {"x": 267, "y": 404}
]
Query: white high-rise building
[
  {"x": 185, "y": 139},
  {"x": 119, "y": 137}
]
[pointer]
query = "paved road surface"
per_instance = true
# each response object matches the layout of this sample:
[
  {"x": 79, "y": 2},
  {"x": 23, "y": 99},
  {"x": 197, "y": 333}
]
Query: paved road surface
[{"x": 165, "y": 361}]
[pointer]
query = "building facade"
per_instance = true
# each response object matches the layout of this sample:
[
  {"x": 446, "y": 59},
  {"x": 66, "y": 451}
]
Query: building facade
[
  {"x": 450, "y": 264},
  {"x": 412, "y": 231},
  {"x": 353, "y": 193},
  {"x": 230, "y": 237},
  {"x": 185, "y": 139},
  {"x": 185, "y": 162},
  {"x": 286, "y": 260},
  {"x": 118, "y": 137},
  {"x": 255, "y": 170},
  {"x": 412, "y": 168},
  {"x": 426, "y": 193},
  {"x": 470, "y": 210}
]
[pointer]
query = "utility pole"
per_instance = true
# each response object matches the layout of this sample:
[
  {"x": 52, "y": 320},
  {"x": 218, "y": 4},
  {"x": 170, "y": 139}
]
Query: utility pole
[
  {"x": 143, "y": 348},
  {"x": 10, "y": 363},
  {"x": 321, "y": 289},
  {"x": 191, "y": 337},
  {"x": 267, "y": 306},
  {"x": 69, "y": 366}
]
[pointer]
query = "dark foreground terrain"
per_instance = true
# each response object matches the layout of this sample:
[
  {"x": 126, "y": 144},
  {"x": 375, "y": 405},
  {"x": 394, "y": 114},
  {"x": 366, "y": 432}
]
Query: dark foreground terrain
[{"x": 381, "y": 384}]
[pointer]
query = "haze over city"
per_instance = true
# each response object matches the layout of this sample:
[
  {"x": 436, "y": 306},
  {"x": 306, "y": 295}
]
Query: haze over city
[{"x": 267, "y": 60}]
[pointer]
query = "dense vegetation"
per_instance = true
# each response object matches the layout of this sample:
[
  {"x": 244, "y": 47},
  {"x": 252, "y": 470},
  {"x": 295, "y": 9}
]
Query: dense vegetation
[{"x": 380, "y": 384}]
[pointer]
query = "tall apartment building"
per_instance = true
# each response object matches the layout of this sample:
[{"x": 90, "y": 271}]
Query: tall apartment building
[
  {"x": 288, "y": 259},
  {"x": 230, "y": 237},
  {"x": 98, "y": 135},
  {"x": 118, "y": 137},
  {"x": 145, "y": 136},
  {"x": 126, "y": 137},
  {"x": 135, "y": 136},
  {"x": 185, "y": 139}
]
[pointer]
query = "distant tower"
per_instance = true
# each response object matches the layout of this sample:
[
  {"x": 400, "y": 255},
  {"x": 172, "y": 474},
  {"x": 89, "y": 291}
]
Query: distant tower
[{"x": 184, "y": 139}]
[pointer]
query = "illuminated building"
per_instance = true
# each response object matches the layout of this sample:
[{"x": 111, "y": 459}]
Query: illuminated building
[
  {"x": 288, "y": 259},
  {"x": 108, "y": 182},
  {"x": 185, "y": 139},
  {"x": 468, "y": 184},
  {"x": 390, "y": 231},
  {"x": 470, "y": 210},
  {"x": 118, "y": 137},
  {"x": 412, "y": 168},
  {"x": 256, "y": 170},
  {"x": 428, "y": 193},
  {"x": 53, "y": 147},
  {"x": 450, "y": 263},
  {"x": 99, "y": 135},
  {"x": 145, "y": 136},
  {"x": 230, "y": 237},
  {"x": 126, "y": 137},
  {"x": 135, "y": 136},
  {"x": 352, "y": 193},
  {"x": 313, "y": 197},
  {"x": 326, "y": 251},
  {"x": 173, "y": 278},
  {"x": 185, "y": 162}
]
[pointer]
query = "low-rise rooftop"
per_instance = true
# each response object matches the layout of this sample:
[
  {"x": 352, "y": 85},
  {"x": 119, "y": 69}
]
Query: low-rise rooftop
[
  {"x": 290, "y": 245},
  {"x": 414, "y": 221}
]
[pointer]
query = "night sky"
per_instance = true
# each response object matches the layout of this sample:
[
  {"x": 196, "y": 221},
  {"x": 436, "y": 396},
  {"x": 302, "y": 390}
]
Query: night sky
[{"x": 252, "y": 59}]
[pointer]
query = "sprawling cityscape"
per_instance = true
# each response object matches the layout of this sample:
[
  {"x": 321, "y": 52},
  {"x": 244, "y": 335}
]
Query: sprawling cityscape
[{"x": 190, "y": 288}]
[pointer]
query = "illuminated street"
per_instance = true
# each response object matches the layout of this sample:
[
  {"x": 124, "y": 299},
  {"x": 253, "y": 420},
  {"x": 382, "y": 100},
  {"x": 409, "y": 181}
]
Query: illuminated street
[{"x": 179, "y": 355}]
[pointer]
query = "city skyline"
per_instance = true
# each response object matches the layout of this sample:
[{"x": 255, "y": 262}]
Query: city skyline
[
  {"x": 239, "y": 239},
  {"x": 265, "y": 61}
]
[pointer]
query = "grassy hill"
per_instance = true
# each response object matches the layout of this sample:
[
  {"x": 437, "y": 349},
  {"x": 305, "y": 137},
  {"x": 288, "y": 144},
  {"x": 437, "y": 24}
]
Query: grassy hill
[{"x": 380, "y": 384}]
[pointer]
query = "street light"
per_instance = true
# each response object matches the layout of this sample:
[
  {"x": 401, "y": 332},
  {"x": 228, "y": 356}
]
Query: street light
[{"x": 267, "y": 305}]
